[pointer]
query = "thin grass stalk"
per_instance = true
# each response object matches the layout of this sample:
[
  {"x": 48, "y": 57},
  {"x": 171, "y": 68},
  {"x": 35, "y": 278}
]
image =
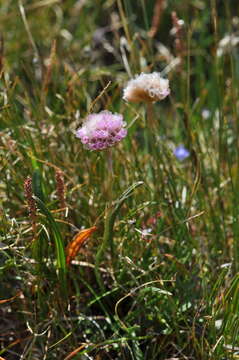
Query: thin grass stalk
[
  {"x": 106, "y": 243},
  {"x": 219, "y": 91},
  {"x": 234, "y": 184},
  {"x": 109, "y": 231},
  {"x": 1, "y": 54}
]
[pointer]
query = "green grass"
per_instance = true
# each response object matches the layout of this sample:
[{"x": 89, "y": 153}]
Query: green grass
[{"x": 172, "y": 293}]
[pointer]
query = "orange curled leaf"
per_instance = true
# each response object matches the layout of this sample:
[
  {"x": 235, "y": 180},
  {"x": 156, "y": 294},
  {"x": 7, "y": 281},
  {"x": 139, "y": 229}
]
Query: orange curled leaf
[
  {"x": 3, "y": 301},
  {"x": 74, "y": 246}
]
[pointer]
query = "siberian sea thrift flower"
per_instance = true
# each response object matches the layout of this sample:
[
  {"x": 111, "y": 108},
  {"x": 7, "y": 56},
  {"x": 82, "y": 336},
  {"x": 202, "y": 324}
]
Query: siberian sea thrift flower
[
  {"x": 146, "y": 88},
  {"x": 181, "y": 153},
  {"x": 101, "y": 131}
]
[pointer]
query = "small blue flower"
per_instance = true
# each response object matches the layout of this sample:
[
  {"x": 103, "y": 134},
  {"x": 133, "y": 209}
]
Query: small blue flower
[{"x": 181, "y": 153}]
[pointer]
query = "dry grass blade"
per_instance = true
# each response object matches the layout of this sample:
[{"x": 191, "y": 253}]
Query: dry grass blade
[
  {"x": 99, "y": 96},
  {"x": 50, "y": 62},
  {"x": 31, "y": 40},
  {"x": 74, "y": 352}
]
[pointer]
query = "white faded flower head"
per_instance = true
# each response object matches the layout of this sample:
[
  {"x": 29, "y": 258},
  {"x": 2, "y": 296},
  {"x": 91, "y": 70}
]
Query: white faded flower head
[
  {"x": 146, "y": 88},
  {"x": 227, "y": 43}
]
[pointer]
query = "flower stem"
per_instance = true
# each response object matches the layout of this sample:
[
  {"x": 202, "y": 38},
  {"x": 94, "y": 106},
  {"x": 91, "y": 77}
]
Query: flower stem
[
  {"x": 151, "y": 128},
  {"x": 111, "y": 176},
  {"x": 108, "y": 224},
  {"x": 107, "y": 242},
  {"x": 150, "y": 115}
]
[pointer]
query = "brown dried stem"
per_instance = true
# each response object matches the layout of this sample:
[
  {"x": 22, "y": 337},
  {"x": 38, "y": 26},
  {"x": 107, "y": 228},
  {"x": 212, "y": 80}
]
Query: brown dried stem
[{"x": 158, "y": 9}]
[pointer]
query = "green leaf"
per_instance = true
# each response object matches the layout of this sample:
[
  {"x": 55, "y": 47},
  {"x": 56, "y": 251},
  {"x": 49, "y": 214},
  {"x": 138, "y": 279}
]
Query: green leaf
[
  {"x": 37, "y": 184},
  {"x": 60, "y": 253}
]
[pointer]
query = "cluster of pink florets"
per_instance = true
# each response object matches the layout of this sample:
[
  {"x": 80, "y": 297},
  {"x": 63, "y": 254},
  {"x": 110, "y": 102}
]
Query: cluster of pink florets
[{"x": 102, "y": 130}]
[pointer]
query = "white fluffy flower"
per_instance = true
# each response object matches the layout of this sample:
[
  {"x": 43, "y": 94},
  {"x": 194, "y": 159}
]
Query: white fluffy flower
[
  {"x": 227, "y": 43},
  {"x": 146, "y": 88}
]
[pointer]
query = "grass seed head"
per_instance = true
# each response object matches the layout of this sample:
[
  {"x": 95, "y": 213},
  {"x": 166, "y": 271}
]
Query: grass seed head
[
  {"x": 60, "y": 187},
  {"x": 30, "y": 201}
]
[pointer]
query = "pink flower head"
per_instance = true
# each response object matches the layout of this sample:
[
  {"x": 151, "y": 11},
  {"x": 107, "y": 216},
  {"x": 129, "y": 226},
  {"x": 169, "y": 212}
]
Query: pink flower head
[{"x": 102, "y": 130}]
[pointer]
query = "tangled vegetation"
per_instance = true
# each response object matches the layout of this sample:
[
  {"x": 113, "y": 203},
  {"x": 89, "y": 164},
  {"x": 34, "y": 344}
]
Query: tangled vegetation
[{"x": 128, "y": 251}]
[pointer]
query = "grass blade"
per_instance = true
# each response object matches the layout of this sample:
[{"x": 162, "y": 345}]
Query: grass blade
[{"x": 60, "y": 253}]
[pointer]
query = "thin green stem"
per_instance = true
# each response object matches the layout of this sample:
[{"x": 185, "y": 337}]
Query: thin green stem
[{"x": 109, "y": 222}]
